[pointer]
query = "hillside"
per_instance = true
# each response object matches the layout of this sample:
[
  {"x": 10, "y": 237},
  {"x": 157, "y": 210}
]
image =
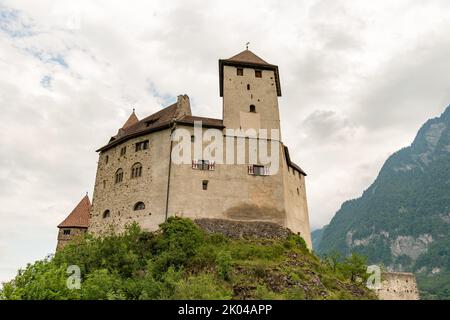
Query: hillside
[
  {"x": 403, "y": 219},
  {"x": 181, "y": 261}
]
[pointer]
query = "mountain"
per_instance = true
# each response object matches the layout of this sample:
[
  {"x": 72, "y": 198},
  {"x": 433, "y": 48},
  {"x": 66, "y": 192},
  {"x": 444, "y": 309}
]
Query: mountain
[
  {"x": 403, "y": 219},
  {"x": 316, "y": 237}
]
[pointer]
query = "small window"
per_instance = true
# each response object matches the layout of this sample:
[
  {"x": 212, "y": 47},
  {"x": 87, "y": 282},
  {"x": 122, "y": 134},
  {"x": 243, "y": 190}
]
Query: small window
[
  {"x": 123, "y": 151},
  {"x": 298, "y": 191},
  {"x": 203, "y": 165},
  {"x": 240, "y": 71},
  {"x": 192, "y": 138},
  {"x": 258, "y": 74},
  {"x": 66, "y": 232},
  {"x": 252, "y": 108},
  {"x": 119, "y": 176},
  {"x": 106, "y": 214},
  {"x": 104, "y": 184},
  {"x": 106, "y": 159},
  {"x": 258, "y": 170},
  {"x": 143, "y": 145},
  {"x": 248, "y": 87},
  {"x": 205, "y": 184},
  {"x": 136, "y": 170},
  {"x": 139, "y": 206}
]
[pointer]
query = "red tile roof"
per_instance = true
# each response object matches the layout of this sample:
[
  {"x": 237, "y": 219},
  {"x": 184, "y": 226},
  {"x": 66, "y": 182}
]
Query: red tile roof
[
  {"x": 160, "y": 120},
  {"x": 131, "y": 120},
  {"x": 79, "y": 217}
]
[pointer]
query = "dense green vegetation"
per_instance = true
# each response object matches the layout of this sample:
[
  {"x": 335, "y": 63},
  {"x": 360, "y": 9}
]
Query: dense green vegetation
[
  {"x": 181, "y": 261},
  {"x": 409, "y": 198}
]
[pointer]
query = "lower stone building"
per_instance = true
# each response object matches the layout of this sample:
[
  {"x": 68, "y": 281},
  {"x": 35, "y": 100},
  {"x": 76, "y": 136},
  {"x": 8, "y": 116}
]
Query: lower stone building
[
  {"x": 398, "y": 286},
  {"x": 76, "y": 223}
]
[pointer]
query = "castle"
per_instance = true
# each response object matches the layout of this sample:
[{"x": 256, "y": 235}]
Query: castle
[{"x": 138, "y": 180}]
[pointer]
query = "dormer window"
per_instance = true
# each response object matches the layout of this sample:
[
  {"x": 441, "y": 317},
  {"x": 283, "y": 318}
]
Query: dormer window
[
  {"x": 258, "y": 74},
  {"x": 252, "y": 108},
  {"x": 240, "y": 71}
]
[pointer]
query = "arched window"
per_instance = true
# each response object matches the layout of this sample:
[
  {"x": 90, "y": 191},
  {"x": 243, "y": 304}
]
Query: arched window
[
  {"x": 119, "y": 175},
  {"x": 136, "y": 170},
  {"x": 252, "y": 108},
  {"x": 139, "y": 206},
  {"x": 106, "y": 214}
]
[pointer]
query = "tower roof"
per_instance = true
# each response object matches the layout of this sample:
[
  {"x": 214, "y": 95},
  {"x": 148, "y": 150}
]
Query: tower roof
[
  {"x": 131, "y": 120},
  {"x": 247, "y": 59},
  {"x": 247, "y": 56},
  {"x": 79, "y": 217}
]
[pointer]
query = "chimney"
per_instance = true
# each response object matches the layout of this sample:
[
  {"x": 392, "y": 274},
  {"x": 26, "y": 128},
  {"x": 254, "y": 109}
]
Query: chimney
[{"x": 183, "y": 106}]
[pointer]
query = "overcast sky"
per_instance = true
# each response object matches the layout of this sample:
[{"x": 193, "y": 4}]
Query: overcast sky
[{"x": 358, "y": 80}]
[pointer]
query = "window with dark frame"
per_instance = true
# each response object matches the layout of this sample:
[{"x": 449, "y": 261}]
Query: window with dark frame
[
  {"x": 143, "y": 145},
  {"x": 192, "y": 138},
  {"x": 205, "y": 184},
  {"x": 106, "y": 159},
  {"x": 136, "y": 170},
  {"x": 240, "y": 71},
  {"x": 119, "y": 176},
  {"x": 66, "y": 232},
  {"x": 252, "y": 108},
  {"x": 123, "y": 151},
  {"x": 248, "y": 87},
  {"x": 258, "y": 74}
]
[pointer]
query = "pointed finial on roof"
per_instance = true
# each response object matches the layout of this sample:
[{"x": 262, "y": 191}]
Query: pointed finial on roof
[
  {"x": 134, "y": 110},
  {"x": 131, "y": 120},
  {"x": 246, "y": 45}
]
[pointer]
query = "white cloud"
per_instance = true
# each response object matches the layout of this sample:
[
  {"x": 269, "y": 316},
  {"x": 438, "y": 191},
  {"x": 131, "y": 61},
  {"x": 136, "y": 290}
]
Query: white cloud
[{"x": 358, "y": 79}]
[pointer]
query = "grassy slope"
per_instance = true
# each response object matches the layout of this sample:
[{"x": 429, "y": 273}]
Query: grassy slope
[{"x": 183, "y": 262}]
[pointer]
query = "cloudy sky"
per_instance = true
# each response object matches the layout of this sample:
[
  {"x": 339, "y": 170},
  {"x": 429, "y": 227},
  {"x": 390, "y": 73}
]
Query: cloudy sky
[{"x": 358, "y": 80}]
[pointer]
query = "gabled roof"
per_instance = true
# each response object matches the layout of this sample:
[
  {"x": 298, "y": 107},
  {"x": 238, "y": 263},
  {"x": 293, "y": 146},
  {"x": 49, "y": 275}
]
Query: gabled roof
[{"x": 79, "y": 217}]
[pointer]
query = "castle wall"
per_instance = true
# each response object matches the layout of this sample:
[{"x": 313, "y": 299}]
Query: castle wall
[
  {"x": 398, "y": 286},
  {"x": 120, "y": 198},
  {"x": 232, "y": 192},
  {"x": 297, "y": 218}
]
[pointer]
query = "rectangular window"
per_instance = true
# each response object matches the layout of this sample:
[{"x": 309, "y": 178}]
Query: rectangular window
[
  {"x": 106, "y": 159},
  {"x": 192, "y": 138},
  {"x": 240, "y": 71},
  {"x": 258, "y": 74},
  {"x": 143, "y": 145},
  {"x": 66, "y": 232},
  {"x": 205, "y": 184},
  {"x": 123, "y": 151},
  {"x": 203, "y": 165},
  {"x": 257, "y": 170}
]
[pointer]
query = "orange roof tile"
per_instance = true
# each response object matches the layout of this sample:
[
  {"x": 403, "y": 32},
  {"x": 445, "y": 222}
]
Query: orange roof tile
[
  {"x": 79, "y": 217},
  {"x": 248, "y": 57},
  {"x": 131, "y": 120}
]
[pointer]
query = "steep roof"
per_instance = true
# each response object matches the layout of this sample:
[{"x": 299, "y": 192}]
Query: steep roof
[
  {"x": 160, "y": 120},
  {"x": 247, "y": 59},
  {"x": 133, "y": 119},
  {"x": 79, "y": 217}
]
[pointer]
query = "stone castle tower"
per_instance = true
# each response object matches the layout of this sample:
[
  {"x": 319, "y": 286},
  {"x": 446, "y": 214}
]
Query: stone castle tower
[{"x": 137, "y": 179}]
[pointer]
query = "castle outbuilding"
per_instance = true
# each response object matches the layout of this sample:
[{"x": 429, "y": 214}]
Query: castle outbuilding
[{"x": 138, "y": 180}]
